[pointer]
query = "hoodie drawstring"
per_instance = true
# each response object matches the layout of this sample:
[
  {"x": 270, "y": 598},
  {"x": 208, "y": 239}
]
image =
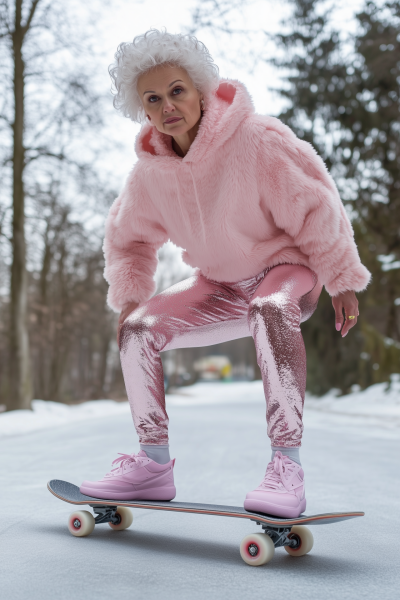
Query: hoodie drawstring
[
  {"x": 183, "y": 212},
  {"x": 198, "y": 204}
]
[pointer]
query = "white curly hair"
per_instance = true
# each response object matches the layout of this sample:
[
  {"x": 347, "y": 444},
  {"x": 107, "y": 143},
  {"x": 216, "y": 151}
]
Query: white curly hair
[{"x": 156, "y": 48}]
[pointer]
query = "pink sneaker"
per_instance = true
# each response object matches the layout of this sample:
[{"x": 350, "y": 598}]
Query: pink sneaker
[
  {"x": 282, "y": 492},
  {"x": 136, "y": 478}
]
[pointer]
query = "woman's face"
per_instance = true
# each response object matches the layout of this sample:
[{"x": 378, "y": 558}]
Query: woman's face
[{"x": 170, "y": 100}]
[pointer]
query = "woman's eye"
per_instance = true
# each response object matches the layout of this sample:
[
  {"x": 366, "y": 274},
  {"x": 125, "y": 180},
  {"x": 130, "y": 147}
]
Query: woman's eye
[
  {"x": 153, "y": 99},
  {"x": 178, "y": 90}
]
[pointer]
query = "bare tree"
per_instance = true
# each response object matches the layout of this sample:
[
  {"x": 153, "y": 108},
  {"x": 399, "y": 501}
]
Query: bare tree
[
  {"x": 15, "y": 32},
  {"x": 71, "y": 328},
  {"x": 224, "y": 22},
  {"x": 51, "y": 101}
]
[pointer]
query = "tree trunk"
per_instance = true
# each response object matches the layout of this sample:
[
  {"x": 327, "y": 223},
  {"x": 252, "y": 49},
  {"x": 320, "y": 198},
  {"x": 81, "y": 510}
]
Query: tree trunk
[
  {"x": 392, "y": 326},
  {"x": 20, "y": 382},
  {"x": 44, "y": 318}
]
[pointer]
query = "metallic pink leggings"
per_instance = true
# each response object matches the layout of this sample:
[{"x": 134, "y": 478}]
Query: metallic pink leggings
[{"x": 201, "y": 312}]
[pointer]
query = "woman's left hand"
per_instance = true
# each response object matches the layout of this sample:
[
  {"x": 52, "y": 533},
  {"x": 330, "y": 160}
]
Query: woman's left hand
[{"x": 347, "y": 301}]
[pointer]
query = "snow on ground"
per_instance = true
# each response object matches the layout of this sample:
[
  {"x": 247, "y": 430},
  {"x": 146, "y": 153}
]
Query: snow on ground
[
  {"x": 218, "y": 436},
  {"x": 377, "y": 406},
  {"x": 221, "y": 452},
  {"x": 379, "y": 402},
  {"x": 46, "y": 414}
]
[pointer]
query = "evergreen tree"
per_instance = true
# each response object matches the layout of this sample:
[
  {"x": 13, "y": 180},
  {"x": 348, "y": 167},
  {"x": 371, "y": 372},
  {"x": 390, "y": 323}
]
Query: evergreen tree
[{"x": 346, "y": 103}]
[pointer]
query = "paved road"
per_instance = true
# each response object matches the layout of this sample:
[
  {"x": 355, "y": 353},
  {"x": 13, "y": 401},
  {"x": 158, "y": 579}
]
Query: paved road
[{"x": 221, "y": 453}]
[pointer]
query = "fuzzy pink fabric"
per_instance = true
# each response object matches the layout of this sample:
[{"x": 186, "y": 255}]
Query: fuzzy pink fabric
[{"x": 248, "y": 195}]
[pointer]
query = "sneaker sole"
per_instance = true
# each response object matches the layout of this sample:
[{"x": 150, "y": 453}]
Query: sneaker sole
[
  {"x": 164, "y": 494},
  {"x": 276, "y": 510}
]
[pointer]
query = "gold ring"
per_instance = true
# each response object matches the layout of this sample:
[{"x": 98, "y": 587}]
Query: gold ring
[{"x": 351, "y": 317}]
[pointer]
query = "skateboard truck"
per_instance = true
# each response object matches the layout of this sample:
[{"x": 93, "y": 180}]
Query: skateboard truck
[
  {"x": 281, "y": 536},
  {"x": 106, "y": 514}
]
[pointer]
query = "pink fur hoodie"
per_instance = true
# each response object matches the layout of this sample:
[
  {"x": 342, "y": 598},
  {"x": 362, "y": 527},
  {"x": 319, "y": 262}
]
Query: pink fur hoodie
[{"x": 248, "y": 195}]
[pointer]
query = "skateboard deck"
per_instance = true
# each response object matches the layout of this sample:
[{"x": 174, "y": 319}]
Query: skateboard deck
[
  {"x": 280, "y": 531},
  {"x": 70, "y": 493}
]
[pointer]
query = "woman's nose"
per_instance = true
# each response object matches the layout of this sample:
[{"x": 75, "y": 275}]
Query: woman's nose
[{"x": 168, "y": 107}]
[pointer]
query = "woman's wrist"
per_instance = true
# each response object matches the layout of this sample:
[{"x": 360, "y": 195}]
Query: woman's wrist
[
  {"x": 128, "y": 305},
  {"x": 347, "y": 303},
  {"x": 127, "y": 309}
]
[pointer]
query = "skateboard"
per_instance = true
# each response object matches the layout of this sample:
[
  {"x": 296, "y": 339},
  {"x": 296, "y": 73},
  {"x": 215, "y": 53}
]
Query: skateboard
[{"x": 255, "y": 549}]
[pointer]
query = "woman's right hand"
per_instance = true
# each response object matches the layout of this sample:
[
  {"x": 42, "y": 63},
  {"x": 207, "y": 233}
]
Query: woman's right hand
[{"x": 125, "y": 312}]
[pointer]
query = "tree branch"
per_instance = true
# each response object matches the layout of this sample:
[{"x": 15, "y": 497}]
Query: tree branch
[
  {"x": 43, "y": 152},
  {"x": 2, "y": 217},
  {"x": 6, "y": 120},
  {"x": 5, "y": 19},
  {"x": 30, "y": 16}
]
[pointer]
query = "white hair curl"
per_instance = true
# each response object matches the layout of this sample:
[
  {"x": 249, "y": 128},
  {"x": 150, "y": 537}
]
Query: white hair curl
[{"x": 156, "y": 48}]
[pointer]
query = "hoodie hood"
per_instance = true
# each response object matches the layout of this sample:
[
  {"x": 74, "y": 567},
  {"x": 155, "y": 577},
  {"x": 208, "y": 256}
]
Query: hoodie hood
[{"x": 224, "y": 111}]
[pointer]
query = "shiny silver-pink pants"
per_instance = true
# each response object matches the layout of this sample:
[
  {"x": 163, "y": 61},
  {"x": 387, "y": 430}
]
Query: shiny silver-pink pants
[{"x": 201, "y": 312}]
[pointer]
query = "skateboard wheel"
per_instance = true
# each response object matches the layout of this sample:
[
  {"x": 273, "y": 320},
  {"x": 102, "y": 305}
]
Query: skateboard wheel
[
  {"x": 81, "y": 523},
  {"x": 257, "y": 549},
  {"x": 304, "y": 536},
  {"x": 126, "y": 518}
]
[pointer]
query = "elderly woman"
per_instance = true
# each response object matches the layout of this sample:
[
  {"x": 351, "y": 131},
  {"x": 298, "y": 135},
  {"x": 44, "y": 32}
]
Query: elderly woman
[{"x": 258, "y": 215}]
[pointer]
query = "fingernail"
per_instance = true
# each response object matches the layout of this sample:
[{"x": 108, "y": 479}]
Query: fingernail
[
  {"x": 338, "y": 326},
  {"x": 345, "y": 334}
]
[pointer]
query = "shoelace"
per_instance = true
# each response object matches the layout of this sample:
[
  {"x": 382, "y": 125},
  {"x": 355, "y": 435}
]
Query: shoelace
[
  {"x": 280, "y": 472},
  {"x": 125, "y": 460}
]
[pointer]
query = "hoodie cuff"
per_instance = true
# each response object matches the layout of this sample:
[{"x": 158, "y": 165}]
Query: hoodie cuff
[{"x": 350, "y": 280}]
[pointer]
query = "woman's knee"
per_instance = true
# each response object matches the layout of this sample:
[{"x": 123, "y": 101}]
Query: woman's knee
[
  {"x": 275, "y": 310},
  {"x": 136, "y": 327},
  {"x": 269, "y": 307}
]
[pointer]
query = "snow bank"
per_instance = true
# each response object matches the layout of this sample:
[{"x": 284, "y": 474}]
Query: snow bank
[
  {"x": 377, "y": 405},
  {"x": 46, "y": 414},
  {"x": 378, "y": 401},
  {"x": 51, "y": 414}
]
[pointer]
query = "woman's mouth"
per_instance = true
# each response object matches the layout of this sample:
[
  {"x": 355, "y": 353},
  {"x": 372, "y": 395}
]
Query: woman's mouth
[{"x": 172, "y": 120}]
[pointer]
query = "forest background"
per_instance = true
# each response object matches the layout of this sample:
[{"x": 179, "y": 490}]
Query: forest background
[{"x": 331, "y": 71}]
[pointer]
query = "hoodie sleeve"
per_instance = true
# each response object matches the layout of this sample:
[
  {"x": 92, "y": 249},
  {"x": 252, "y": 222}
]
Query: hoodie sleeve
[
  {"x": 132, "y": 237},
  {"x": 296, "y": 188}
]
